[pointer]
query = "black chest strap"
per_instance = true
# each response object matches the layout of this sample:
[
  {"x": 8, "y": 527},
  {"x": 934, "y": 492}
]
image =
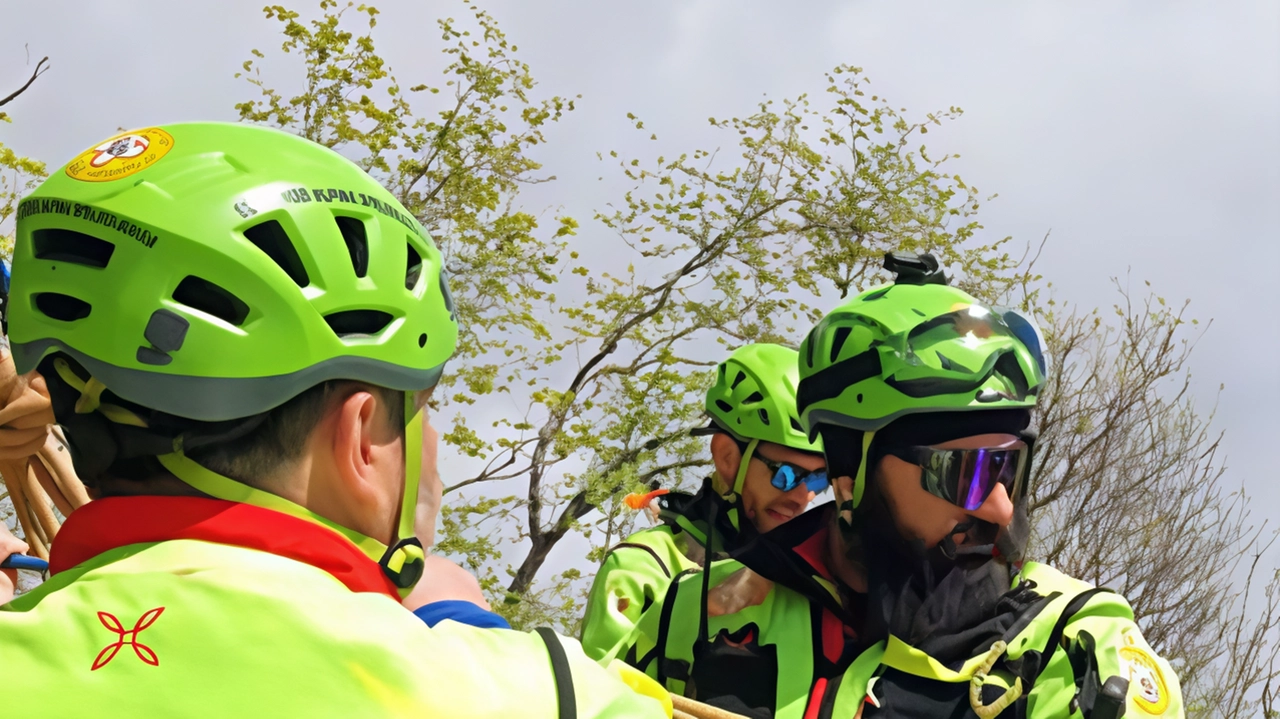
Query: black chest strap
[{"x": 565, "y": 697}]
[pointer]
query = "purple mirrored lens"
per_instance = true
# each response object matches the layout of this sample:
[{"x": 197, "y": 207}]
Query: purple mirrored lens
[
  {"x": 975, "y": 482},
  {"x": 980, "y": 471}
]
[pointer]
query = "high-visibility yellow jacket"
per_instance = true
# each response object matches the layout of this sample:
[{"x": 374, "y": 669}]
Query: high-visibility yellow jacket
[{"x": 192, "y": 607}]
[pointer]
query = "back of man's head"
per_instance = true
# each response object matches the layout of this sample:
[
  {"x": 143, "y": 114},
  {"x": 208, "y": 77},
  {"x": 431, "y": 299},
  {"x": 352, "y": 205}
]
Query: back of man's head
[{"x": 206, "y": 292}]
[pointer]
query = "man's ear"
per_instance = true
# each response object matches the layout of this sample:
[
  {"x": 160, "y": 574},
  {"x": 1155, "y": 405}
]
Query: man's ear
[
  {"x": 727, "y": 458},
  {"x": 355, "y": 433}
]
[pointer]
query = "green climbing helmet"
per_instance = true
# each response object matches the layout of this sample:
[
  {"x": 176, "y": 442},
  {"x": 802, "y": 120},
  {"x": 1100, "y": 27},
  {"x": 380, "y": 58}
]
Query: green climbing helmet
[
  {"x": 213, "y": 271},
  {"x": 909, "y": 347},
  {"x": 913, "y": 346},
  {"x": 754, "y": 397}
]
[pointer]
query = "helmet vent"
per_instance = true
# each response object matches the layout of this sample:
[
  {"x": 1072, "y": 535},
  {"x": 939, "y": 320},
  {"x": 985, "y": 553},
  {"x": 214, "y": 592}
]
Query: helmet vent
[
  {"x": 62, "y": 307},
  {"x": 353, "y": 233},
  {"x": 413, "y": 267},
  {"x": 357, "y": 323},
  {"x": 753, "y": 398},
  {"x": 271, "y": 238},
  {"x": 738, "y": 380},
  {"x": 724, "y": 406},
  {"x": 201, "y": 294},
  {"x": 838, "y": 340},
  {"x": 877, "y": 294},
  {"x": 764, "y": 416},
  {"x": 943, "y": 361},
  {"x": 74, "y": 247},
  {"x": 795, "y": 424}
]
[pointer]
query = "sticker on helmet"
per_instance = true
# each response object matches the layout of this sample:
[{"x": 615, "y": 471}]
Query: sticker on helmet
[
  {"x": 244, "y": 209},
  {"x": 1147, "y": 687},
  {"x": 121, "y": 156}
]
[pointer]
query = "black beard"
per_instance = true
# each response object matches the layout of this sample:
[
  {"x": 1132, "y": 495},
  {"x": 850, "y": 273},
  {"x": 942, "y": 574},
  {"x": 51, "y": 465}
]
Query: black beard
[{"x": 944, "y": 601}]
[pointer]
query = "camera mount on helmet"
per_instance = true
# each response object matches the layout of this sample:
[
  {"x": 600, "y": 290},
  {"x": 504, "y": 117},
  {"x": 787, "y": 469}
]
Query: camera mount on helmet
[{"x": 914, "y": 269}]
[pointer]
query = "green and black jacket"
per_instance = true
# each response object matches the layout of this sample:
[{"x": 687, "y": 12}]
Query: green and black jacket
[
  {"x": 791, "y": 652},
  {"x": 781, "y": 648},
  {"x": 637, "y": 571}
]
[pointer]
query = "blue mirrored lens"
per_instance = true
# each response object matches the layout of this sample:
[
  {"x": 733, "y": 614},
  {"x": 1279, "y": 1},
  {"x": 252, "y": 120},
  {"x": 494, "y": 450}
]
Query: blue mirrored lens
[{"x": 786, "y": 479}]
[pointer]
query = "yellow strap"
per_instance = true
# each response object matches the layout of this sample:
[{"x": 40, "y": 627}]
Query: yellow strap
[
  {"x": 742, "y": 467},
  {"x": 830, "y": 587},
  {"x": 641, "y": 683},
  {"x": 904, "y": 657},
  {"x": 91, "y": 397},
  {"x": 1010, "y": 695},
  {"x": 414, "y": 418},
  {"x": 860, "y": 482},
  {"x": 216, "y": 485}
]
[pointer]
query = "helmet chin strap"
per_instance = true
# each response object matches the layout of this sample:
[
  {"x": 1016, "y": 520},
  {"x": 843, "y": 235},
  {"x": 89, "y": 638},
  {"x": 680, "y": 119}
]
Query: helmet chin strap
[
  {"x": 860, "y": 481},
  {"x": 743, "y": 465},
  {"x": 402, "y": 562}
]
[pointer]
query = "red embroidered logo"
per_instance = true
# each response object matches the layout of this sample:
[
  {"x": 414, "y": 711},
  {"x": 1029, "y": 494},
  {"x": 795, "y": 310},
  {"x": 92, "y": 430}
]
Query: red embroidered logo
[{"x": 129, "y": 637}]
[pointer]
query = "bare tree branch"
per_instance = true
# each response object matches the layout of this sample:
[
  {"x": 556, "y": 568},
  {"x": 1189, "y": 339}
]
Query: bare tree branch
[{"x": 40, "y": 70}]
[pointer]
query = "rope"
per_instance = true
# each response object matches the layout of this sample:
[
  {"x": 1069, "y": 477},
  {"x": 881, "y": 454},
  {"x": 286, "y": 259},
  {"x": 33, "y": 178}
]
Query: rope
[
  {"x": 697, "y": 710},
  {"x": 35, "y": 464}
]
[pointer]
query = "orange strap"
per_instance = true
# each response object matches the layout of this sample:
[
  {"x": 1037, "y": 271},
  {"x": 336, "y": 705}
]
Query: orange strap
[{"x": 640, "y": 501}]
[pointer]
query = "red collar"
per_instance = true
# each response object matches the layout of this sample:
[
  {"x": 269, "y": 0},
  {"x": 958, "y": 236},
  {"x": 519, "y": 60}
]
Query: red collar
[
  {"x": 814, "y": 550},
  {"x": 106, "y": 524}
]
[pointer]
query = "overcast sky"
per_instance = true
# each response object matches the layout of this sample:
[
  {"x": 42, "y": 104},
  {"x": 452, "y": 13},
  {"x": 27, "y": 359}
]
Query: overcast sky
[{"x": 1146, "y": 135}]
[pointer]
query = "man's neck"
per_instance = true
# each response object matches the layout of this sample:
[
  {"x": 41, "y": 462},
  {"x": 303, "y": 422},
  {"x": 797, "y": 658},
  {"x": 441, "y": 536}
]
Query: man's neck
[
  {"x": 849, "y": 572},
  {"x": 163, "y": 485}
]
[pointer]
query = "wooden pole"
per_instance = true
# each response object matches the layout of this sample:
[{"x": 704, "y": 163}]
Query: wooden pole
[{"x": 688, "y": 708}]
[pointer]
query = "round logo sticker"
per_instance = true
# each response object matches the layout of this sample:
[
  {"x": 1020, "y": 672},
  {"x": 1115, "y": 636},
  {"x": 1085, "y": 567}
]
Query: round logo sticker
[
  {"x": 1146, "y": 683},
  {"x": 121, "y": 156}
]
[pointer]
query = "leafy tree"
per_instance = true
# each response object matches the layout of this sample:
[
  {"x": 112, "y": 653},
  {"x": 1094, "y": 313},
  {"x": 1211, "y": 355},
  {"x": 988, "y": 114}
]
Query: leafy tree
[
  {"x": 737, "y": 244},
  {"x": 610, "y": 366}
]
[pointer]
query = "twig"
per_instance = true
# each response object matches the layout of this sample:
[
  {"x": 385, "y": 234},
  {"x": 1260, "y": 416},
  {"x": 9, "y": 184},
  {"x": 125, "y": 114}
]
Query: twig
[{"x": 40, "y": 70}]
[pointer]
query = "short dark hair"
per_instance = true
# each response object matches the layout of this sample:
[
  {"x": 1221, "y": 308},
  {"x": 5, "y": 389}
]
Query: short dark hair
[
  {"x": 255, "y": 457},
  {"x": 283, "y": 434}
]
